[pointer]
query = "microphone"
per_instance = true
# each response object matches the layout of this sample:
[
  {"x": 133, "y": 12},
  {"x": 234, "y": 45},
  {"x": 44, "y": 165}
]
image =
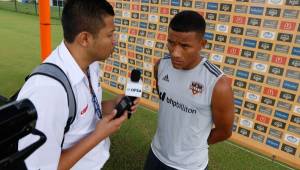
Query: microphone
[{"x": 133, "y": 90}]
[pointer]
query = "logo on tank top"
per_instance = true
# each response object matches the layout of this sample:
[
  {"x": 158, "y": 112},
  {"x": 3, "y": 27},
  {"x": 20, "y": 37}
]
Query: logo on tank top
[
  {"x": 166, "y": 78},
  {"x": 196, "y": 88},
  {"x": 175, "y": 104}
]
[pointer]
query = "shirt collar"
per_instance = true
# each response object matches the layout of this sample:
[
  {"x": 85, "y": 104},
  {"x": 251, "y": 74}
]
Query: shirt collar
[{"x": 71, "y": 67}]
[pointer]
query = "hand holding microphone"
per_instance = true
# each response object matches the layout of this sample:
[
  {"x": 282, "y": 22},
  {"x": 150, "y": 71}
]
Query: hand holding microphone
[{"x": 133, "y": 90}]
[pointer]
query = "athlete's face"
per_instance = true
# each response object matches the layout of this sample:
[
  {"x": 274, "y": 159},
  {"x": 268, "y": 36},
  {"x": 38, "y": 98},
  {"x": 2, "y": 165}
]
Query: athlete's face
[{"x": 184, "y": 48}]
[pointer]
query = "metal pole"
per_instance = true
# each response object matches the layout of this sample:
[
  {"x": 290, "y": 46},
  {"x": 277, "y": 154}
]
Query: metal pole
[
  {"x": 16, "y": 8},
  {"x": 35, "y": 7},
  {"x": 58, "y": 9}
]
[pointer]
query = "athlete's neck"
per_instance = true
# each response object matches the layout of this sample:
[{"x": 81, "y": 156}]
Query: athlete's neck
[{"x": 194, "y": 63}]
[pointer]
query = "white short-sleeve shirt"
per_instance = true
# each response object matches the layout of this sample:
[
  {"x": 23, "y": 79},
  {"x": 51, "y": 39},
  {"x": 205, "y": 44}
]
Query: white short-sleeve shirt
[{"x": 50, "y": 101}]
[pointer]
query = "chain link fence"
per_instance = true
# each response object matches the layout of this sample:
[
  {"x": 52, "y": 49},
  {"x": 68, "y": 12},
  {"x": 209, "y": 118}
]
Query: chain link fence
[{"x": 32, "y": 7}]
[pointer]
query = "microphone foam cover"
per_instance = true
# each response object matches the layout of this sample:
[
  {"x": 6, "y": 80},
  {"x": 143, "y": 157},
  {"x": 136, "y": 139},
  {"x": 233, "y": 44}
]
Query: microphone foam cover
[{"x": 135, "y": 75}]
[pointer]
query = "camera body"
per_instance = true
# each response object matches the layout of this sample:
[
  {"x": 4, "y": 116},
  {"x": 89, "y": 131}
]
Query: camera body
[{"x": 17, "y": 119}]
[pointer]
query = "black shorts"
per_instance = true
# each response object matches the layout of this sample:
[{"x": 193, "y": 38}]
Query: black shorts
[{"x": 153, "y": 163}]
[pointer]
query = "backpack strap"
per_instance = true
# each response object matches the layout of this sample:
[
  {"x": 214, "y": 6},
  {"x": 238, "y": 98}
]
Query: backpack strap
[{"x": 53, "y": 71}]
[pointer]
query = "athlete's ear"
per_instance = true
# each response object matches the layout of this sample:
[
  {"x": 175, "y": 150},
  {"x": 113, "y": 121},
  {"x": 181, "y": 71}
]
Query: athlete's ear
[{"x": 203, "y": 42}]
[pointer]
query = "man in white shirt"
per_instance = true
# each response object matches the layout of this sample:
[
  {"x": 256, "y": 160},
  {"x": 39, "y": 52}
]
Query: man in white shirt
[{"x": 88, "y": 28}]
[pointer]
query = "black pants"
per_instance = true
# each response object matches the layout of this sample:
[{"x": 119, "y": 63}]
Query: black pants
[{"x": 153, "y": 163}]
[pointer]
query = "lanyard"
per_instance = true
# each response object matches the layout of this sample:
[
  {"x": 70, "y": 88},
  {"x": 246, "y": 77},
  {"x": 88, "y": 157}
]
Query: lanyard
[
  {"x": 94, "y": 97},
  {"x": 97, "y": 109}
]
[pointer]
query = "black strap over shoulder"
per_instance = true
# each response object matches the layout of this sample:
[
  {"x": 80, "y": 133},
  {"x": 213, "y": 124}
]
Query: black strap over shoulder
[
  {"x": 3, "y": 100},
  {"x": 53, "y": 71}
]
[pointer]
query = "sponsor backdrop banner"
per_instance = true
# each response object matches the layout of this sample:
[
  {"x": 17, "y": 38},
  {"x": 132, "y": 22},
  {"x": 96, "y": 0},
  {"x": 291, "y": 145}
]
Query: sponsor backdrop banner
[{"x": 255, "y": 42}]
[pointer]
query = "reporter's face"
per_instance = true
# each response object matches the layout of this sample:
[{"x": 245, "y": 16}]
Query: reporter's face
[
  {"x": 104, "y": 41},
  {"x": 184, "y": 48}
]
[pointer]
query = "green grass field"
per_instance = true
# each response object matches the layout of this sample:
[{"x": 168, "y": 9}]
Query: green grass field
[
  {"x": 28, "y": 8},
  {"x": 20, "y": 53}
]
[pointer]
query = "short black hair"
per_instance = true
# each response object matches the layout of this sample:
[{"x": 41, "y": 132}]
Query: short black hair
[
  {"x": 188, "y": 21},
  {"x": 84, "y": 15}
]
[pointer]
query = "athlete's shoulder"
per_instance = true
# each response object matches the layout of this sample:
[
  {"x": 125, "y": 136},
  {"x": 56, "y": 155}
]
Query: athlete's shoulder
[{"x": 213, "y": 69}]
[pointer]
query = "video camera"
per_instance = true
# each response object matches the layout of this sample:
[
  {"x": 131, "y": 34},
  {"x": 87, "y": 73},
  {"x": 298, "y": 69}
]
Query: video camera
[{"x": 17, "y": 119}]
